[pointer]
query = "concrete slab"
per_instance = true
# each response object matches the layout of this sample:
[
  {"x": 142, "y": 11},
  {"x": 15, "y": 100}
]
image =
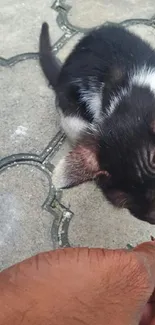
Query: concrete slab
[
  {"x": 20, "y": 23},
  {"x": 28, "y": 118},
  {"x": 25, "y": 228},
  {"x": 91, "y": 13}
]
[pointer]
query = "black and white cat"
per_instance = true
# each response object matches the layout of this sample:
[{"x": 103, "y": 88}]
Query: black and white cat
[{"x": 106, "y": 96}]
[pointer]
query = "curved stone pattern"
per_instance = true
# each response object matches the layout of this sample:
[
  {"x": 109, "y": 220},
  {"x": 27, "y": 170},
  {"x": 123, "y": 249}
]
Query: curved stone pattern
[
  {"x": 33, "y": 215},
  {"x": 87, "y": 15}
]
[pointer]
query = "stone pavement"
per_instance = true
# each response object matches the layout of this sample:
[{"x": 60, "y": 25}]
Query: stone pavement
[{"x": 33, "y": 215}]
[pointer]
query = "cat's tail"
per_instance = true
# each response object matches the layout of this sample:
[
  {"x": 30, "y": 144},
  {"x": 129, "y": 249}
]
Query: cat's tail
[{"x": 51, "y": 66}]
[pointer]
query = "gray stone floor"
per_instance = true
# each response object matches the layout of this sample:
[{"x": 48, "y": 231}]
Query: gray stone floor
[{"x": 33, "y": 215}]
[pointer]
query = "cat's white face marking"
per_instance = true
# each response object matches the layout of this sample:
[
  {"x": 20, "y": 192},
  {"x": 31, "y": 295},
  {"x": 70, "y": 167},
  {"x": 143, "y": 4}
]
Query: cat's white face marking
[
  {"x": 73, "y": 126},
  {"x": 115, "y": 100},
  {"x": 144, "y": 77},
  {"x": 92, "y": 98}
]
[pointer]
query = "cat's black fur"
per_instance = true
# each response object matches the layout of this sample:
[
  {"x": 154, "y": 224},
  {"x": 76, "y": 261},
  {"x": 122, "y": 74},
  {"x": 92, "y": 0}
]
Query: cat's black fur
[{"x": 123, "y": 140}]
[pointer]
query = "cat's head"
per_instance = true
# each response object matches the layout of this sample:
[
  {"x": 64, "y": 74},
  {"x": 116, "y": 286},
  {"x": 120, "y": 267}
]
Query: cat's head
[{"x": 119, "y": 155}]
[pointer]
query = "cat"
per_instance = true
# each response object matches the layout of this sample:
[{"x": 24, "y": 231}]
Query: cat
[{"x": 105, "y": 91}]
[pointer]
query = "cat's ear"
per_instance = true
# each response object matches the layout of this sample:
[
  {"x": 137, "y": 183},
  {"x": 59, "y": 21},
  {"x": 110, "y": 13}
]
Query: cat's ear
[{"x": 79, "y": 166}]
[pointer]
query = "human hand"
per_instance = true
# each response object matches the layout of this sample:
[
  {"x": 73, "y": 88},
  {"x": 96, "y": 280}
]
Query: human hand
[{"x": 81, "y": 286}]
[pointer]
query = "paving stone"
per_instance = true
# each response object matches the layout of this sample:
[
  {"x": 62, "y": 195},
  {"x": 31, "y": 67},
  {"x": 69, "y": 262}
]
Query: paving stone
[
  {"x": 92, "y": 13},
  {"x": 28, "y": 118},
  {"x": 145, "y": 32},
  {"x": 25, "y": 228},
  {"x": 20, "y": 23}
]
